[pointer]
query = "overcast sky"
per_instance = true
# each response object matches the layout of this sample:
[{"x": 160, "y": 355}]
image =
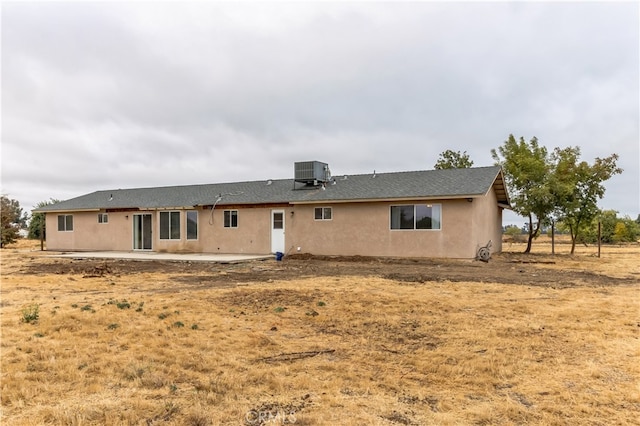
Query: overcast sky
[{"x": 120, "y": 95}]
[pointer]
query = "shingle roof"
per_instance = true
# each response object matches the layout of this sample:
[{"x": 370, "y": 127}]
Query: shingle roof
[{"x": 450, "y": 183}]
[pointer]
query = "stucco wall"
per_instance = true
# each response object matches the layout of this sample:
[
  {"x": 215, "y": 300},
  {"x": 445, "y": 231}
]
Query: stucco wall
[
  {"x": 487, "y": 223},
  {"x": 354, "y": 229},
  {"x": 88, "y": 234},
  {"x": 364, "y": 229},
  {"x": 251, "y": 236}
]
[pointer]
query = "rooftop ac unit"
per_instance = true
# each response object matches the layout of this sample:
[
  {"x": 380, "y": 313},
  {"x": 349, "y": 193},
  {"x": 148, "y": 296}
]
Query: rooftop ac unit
[{"x": 311, "y": 172}]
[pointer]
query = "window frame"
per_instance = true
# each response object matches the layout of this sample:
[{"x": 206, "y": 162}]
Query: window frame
[
  {"x": 103, "y": 218},
  {"x": 228, "y": 217},
  {"x": 170, "y": 234},
  {"x": 195, "y": 222},
  {"x": 415, "y": 219},
  {"x": 323, "y": 216},
  {"x": 277, "y": 224},
  {"x": 66, "y": 221}
]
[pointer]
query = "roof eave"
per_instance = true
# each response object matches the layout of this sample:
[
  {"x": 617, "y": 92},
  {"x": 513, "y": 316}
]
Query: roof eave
[
  {"x": 65, "y": 210},
  {"x": 394, "y": 199},
  {"x": 500, "y": 186}
]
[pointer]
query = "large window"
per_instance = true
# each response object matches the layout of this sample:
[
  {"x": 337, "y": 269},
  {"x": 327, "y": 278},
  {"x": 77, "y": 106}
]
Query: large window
[
  {"x": 192, "y": 225},
  {"x": 416, "y": 216},
  {"x": 65, "y": 222},
  {"x": 231, "y": 218},
  {"x": 323, "y": 213},
  {"x": 169, "y": 225}
]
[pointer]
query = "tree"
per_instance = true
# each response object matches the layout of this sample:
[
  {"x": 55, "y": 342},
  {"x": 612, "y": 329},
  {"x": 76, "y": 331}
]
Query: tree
[
  {"x": 514, "y": 233},
  {"x": 577, "y": 187},
  {"x": 621, "y": 233},
  {"x": 38, "y": 221},
  {"x": 608, "y": 220},
  {"x": 632, "y": 230},
  {"x": 12, "y": 220},
  {"x": 527, "y": 169},
  {"x": 613, "y": 229},
  {"x": 453, "y": 160}
]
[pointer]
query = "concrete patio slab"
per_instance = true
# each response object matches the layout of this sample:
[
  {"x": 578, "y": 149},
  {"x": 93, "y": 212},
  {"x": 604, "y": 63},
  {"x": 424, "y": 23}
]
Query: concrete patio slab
[{"x": 182, "y": 257}]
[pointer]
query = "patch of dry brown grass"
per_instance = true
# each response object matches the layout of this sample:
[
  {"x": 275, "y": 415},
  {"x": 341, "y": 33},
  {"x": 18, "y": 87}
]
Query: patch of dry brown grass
[
  {"x": 621, "y": 261},
  {"x": 113, "y": 350}
]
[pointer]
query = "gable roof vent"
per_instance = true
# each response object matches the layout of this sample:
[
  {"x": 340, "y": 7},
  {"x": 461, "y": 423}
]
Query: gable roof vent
[{"x": 311, "y": 172}]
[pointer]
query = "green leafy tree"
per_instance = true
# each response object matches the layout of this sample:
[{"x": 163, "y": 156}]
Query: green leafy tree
[
  {"x": 453, "y": 160},
  {"x": 613, "y": 229},
  {"x": 13, "y": 219},
  {"x": 514, "y": 233},
  {"x": 620, "y": 234},
  {"x": 577, "y": 186},
  {"x": 527, "y": 169},
  {"x": 38, "y": 221},
  {"x": 627, "y": 230},
  {"x": 608, "y": 220}
]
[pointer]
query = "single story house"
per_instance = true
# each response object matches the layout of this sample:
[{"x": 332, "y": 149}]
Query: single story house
[{"x": 433, "y": 213}]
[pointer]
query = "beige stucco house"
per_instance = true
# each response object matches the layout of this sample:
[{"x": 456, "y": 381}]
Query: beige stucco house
[{"x": 433, "y": 213}]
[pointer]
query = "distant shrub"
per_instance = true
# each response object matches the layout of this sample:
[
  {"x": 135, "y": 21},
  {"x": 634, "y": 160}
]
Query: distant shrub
[
  {"x": 113, "y": 326},
  {"x": 321, "y": 303},
  {"x": 280, "y": 309},
  {"x": 31, "y": 313},
  {"x": 163, "y": 315},
  {"x": 514, "y": 234},
  {"x": 194, "y": 327},
  {"x": 178, "y": 324},
  {"x": 123, "y": 305}
]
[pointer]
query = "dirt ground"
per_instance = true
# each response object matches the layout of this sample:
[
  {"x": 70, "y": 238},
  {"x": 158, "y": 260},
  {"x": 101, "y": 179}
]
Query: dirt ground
[
  {"x": 310, "y": 340},
  {"x": 507, "y": 268}
]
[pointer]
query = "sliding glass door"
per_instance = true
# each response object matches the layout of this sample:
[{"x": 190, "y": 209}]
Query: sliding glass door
[{"x": 142, "y": 231}]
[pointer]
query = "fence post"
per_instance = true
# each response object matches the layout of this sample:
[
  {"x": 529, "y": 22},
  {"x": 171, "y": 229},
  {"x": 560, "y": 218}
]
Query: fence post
[{"x": 599, "y": 236}]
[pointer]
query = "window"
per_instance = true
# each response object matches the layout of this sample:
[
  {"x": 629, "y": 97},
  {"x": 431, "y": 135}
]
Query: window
[
  {"x": 323, "y": 213},
  {"x": 278, "y": 220},
  {"x": 231, "y": 218},
  {"x": 169, "y": 225},
  {"x": 418, "y": 216},
  {"x": 192, "y": 225},
  {"x": 65, "y": 222},
  {"x": 103, "y": 218}
]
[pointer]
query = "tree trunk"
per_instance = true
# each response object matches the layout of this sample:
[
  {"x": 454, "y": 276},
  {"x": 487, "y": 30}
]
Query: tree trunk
[
  {"x": 531, "y": 233},
  {"x": 574, "y": 236}
]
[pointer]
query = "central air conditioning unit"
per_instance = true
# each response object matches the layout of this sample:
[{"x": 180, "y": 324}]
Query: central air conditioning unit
[{"x": 311, "y": 172}]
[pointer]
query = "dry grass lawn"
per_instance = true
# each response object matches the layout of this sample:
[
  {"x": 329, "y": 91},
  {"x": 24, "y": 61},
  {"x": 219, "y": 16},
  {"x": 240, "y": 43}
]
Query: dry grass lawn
[{"x": 347, "y": 350}]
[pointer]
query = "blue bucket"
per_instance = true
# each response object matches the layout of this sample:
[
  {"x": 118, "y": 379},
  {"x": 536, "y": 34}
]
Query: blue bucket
[{"x": 279, "y": 256}]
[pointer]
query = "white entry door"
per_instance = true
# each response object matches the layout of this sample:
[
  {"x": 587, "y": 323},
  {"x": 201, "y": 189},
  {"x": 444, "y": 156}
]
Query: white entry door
[{"x": 277, "y": 231}]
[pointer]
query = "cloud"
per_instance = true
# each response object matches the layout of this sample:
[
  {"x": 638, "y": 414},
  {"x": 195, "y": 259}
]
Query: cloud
[{"x": 107, "y": 95}]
